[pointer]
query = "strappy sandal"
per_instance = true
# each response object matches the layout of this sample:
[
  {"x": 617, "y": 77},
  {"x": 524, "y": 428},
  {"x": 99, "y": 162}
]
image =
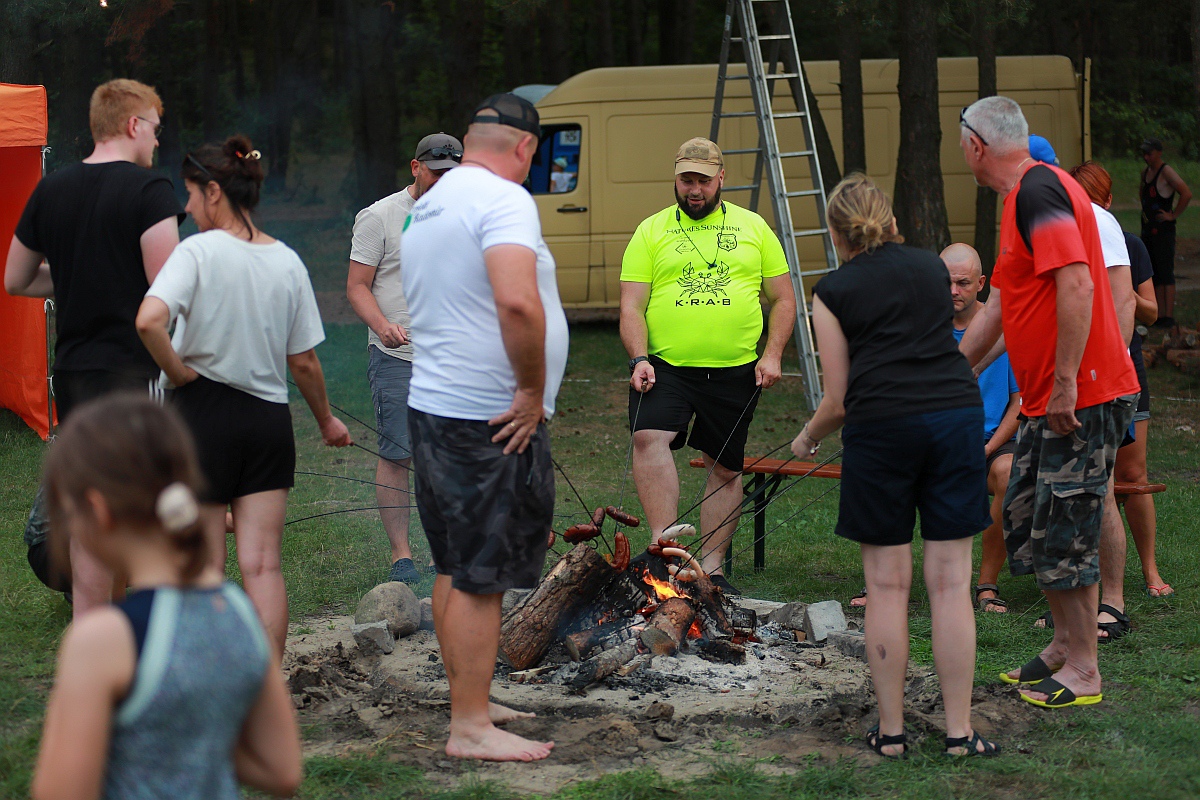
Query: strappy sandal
[
  {"x": 987, "y": 603},
  {"x": 971, "y": 745},
  {"x": 877, "y": 741},
  {"x": 1115, "y": 630},
  {"x": 860, "y": 596},
  {"x": 1046, "y": 620}
]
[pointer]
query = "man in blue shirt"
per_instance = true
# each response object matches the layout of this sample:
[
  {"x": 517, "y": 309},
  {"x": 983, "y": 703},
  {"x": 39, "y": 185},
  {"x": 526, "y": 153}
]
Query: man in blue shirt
[{"x": 1001, "y": 402}]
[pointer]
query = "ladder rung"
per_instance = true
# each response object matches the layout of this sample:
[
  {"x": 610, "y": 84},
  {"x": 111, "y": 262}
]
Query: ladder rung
[
  {"x": 741, "y": 152},
  {"x": 744, "y": 188},
  {"x": 774, "y": 76},
  {"x": 770, "y": 37},
  {"x": 814, "y": 272},
  {"x": 811, "y": 232},
  {"x": 737, "y": 114},
  {"x": 805, "y": 193},
  {"x": 789, "y": 115},
  {"x": 796, "y": 154}
]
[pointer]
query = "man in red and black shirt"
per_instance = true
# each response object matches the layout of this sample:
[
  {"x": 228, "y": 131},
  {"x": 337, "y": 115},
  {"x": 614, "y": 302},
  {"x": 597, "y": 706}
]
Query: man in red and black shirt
[{"x": 1079, "y": 389}]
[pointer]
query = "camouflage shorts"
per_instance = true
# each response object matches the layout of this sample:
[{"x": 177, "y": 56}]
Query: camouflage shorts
[
  {"x": 486, "y": 514},
  {"x": 1055, "y": 497}
]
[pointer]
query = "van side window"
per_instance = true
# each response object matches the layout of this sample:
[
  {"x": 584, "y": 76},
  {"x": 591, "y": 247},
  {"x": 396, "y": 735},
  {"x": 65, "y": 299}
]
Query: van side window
[{"x": 555, "y": 168}]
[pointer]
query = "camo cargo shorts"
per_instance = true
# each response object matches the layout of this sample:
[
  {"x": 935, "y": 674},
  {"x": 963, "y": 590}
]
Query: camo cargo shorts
[
  {"x": 1055, "y": 497},
  {"x": 486, "y": 514}
]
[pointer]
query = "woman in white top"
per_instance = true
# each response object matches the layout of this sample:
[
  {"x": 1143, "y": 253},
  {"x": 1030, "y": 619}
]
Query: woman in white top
[{"x": 244, "y": 314}]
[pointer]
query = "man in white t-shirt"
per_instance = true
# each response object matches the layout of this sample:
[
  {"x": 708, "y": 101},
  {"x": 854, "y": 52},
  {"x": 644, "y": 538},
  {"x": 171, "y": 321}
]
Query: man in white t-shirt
[
  {"x": 373, "y": 289},
  {"x": 490, "y": 341}
]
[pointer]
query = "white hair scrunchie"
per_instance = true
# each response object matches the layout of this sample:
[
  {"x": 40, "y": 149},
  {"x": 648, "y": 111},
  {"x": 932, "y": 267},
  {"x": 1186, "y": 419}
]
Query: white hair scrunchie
[{"x": 177, "y": 508}]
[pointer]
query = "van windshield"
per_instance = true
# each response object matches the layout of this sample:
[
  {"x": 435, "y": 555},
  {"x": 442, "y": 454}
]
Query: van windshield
[{"x": 555, "y": 168}]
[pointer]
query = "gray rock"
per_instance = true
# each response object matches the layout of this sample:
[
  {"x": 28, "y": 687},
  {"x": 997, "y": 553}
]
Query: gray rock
[
  {"x": 820, "y": 619},
  {"x": 394, "y": 603},
  {"x": 660, "y": 711},
  {"x": 374, "y": 638},
  {"x": 850, "y": 643},
  {"x": 789, "y": 615},
  {"x": 426, "y": 623},
  {"x": 511, "y": 598}
]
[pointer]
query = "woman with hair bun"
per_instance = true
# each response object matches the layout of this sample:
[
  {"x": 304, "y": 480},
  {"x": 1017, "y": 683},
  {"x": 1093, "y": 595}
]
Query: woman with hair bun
[
  {"x": 172, "y": 692},
  {"x": 246, "y": 315},
  {"x": 913, "y": 440}
]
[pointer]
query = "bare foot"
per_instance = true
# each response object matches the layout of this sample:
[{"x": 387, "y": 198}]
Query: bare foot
[
  {"x": 859, "y": 600},
  {"x": 492, "y": 744},
  {"x": 501, "y": 714}
]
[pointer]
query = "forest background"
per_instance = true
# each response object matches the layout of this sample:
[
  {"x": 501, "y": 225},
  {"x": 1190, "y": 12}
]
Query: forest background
[{"x": 355, "y": 83}]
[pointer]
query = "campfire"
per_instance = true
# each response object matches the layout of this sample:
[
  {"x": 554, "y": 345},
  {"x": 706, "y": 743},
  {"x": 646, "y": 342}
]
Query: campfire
[{"x": 613, "y": 614}]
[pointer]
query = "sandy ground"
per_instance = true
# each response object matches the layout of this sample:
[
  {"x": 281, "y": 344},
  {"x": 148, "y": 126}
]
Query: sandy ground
[{"x": 679, "y": 715}]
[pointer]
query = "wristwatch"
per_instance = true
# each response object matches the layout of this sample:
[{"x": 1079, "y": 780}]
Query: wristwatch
[{"x": 633, "y": 362}]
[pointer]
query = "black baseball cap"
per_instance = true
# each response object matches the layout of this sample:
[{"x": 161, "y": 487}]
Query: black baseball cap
[
  {"x": 439, "y": 151},
  {"x": 515, "y": 112},
  {"x": 1151, "y": 144}
]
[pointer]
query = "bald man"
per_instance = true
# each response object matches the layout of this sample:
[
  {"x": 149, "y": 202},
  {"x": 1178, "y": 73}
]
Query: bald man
[{"x": 1001, "y": 402}]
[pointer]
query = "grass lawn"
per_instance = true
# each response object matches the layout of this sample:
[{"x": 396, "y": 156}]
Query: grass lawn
[{"x": 1142, "y": 741}]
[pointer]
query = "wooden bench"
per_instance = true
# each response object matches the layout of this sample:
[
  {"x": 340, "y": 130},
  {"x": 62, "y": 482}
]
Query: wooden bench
[{"x": 767, "y": 475}]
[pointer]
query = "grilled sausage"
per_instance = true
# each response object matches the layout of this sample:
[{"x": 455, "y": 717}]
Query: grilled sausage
[
  {"x": 620, "y": 552},
  {"x": 628, "y": 520},
  {"x": 581, "y": 533},
  {"x": 551, "y": 539},
  {"x": 598, "y": 517}
]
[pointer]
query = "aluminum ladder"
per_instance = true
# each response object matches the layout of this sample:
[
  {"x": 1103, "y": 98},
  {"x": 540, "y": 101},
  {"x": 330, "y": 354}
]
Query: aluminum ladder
[{"x": 770, "y": 57}]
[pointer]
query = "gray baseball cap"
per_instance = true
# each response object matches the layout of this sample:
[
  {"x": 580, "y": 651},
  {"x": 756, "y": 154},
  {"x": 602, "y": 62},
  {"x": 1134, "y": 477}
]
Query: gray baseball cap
[{"x": 439, "y": 151}]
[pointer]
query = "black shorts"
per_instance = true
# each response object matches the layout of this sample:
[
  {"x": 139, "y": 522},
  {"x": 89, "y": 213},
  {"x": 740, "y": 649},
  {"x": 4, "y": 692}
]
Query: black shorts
[
  {"x": 486, "y": 514},
  {"x": 1161, "y": 244},
  {"x": 929, "y": 462},
  {"x": 74, "y": 387},
  {"x": 1006, "y": 449},
  {"x": 46, "y": 568},
  {"x": 722, "y": 399},
  {"x": 245, "y": 443}
]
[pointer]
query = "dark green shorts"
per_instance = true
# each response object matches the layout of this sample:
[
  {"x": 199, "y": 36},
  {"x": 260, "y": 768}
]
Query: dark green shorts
[{"x": 1055, "y": 497}]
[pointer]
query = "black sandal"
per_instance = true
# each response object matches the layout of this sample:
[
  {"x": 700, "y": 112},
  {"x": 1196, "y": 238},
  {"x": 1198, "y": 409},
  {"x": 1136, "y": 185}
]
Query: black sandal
[
  {"x": 986, "y": 603},
  {"x": 1115, "y": 630},
  {"x": 877, "y": 741},
  {"x": 971, "y": 743}
]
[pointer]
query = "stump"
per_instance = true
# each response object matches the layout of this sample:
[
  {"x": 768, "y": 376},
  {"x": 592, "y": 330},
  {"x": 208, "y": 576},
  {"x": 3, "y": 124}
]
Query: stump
[
  {"x": 530, "y": 627},
  {"x": 667, "y": 626}
]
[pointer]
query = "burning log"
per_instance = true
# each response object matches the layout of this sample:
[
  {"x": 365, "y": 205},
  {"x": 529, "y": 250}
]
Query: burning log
[
  {"x": 605, "y": 637},
  {"x": 667, "y": 627},
  {"x": 530, "y": 627},
  {"x": 597, "y": 669},
  {"x": 710, "y": 608},
  {"x": 723, "y": 651}
]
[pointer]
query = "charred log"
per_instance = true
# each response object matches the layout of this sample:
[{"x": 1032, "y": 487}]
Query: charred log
[
  {"x": 597, "y": 669},
  {"x": 667, "y": 627}
]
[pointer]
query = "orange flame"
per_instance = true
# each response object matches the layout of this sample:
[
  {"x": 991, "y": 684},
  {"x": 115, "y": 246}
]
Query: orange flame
[
  {"x": 662, "y": 589},
  {"x": 694, "y": 632}
]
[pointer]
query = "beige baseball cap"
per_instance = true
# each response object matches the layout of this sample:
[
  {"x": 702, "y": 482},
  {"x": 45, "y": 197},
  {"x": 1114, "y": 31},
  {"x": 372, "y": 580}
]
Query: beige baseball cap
[{"x": 699, "y": 155}]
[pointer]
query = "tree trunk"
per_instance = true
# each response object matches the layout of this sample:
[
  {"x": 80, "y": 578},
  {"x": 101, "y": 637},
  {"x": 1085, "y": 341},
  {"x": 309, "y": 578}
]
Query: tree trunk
[
  {"x": 601, "y": 35},
  {"x": 635, "y": 31},
  {"x": 668, "y": 626},
  {"x": 554, "y": 22},
  {"x": 919, "y": 201},
  {"x": 1195, "y": 31},
  {"x": 985, "y": 198},
  {"x": 370, "y": 30},
  {"x": 829, "y": 166},
  {"x": 462, "y": 34},
  {"x": 210, "y": 78},
  {"x": 530, "y": 627},
  {"x": 685, "y": 31},
  {"x": 16, "y": 43},
  {"x": 668, "y": 32},
  {"x": 854, "y": 142}
]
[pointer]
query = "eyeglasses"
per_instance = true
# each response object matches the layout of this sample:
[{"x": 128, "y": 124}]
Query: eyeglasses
[
  {"x": 962, "y": 120},
  {"x": 440, "y": 152},
  {"x": 158, "y": 128}
]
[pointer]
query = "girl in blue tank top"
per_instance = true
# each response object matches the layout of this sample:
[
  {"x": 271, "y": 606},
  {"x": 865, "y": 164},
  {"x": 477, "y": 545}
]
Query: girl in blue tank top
[{"x": 172, "y": 693}]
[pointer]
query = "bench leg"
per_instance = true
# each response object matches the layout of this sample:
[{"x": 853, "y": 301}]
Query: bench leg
[{"x": 760, "y": 526}]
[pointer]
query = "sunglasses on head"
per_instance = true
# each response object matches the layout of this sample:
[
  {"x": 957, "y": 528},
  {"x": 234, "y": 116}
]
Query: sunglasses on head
[
  {"x": 440, "y": 152},
  {"x": 962, "y": 120},
  {"x": 207, "y": 175}
]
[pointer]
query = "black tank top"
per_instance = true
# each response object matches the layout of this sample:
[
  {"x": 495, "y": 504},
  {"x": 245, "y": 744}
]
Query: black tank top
[{"x": 1153, "y": 202}]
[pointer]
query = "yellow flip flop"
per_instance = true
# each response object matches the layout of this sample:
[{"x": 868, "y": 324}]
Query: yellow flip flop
[
  {"x": 1032, "y": 672},
  {"x": 1059, "y": 696}
]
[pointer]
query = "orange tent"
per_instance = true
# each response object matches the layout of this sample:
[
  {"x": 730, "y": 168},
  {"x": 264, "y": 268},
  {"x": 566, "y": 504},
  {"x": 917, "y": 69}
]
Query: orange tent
[{"x": 24, "y": 385}]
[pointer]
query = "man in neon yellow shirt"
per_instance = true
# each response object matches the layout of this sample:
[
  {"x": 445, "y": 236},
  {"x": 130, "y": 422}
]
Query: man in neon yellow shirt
[{"x": 691, "y": 321}]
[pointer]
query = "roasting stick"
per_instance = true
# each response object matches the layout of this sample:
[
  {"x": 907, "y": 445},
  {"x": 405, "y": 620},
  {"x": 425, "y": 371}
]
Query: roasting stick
[
  {"x": 728, "y": 439},
  {"x": 587, "y": 511}
]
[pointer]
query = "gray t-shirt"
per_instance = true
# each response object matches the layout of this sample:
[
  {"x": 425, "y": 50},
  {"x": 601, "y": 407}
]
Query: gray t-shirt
[{"x": 376, "y": 243}]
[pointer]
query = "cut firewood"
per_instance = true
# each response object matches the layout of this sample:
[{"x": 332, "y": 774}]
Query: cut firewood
[
  {"x": 667, "y": 626},
  {"x": 600, "y": 667},
  {"x": 723, "y": 651},
  {"x": 635, "y": 665},
  {"x": 532, "y": 625},
  {"x": 710, "y": 608},
  {"x": 521, "y": 676},
  {"x": 581, "y": 644}
]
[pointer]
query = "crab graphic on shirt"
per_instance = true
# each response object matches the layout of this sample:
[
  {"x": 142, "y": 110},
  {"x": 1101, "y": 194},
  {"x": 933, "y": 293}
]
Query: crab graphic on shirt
[{"x": 708, "y": 281}]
